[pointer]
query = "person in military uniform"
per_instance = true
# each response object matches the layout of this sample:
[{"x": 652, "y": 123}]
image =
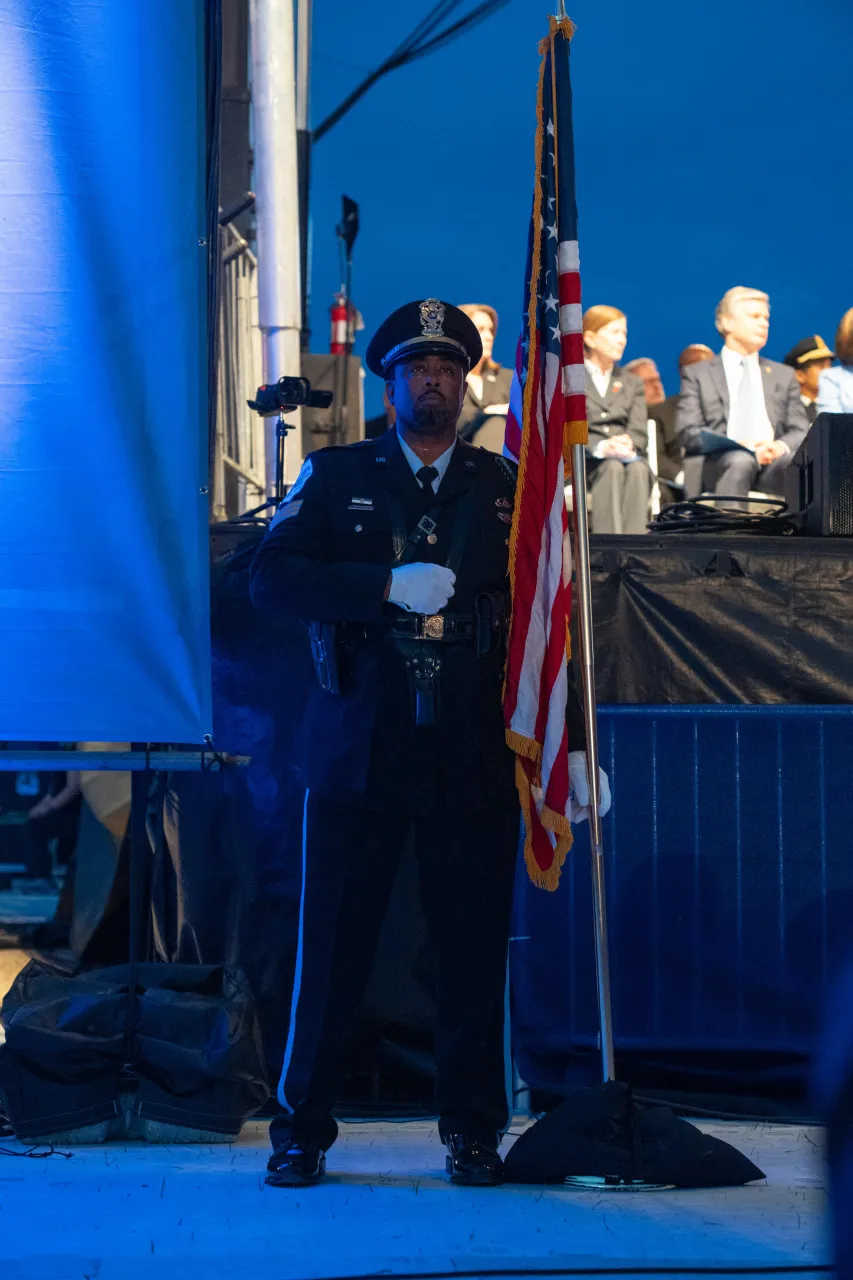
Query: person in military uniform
[
  {"x": 809, "y": 358},
  {"x": 394, "y": 553}
]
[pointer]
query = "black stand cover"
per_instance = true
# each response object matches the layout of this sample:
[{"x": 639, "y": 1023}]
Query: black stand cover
[{"x": 602, "y": 1132}]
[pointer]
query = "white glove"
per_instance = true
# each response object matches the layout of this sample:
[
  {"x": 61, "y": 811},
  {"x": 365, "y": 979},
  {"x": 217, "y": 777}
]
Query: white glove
[
  {"x": 421, "y": 588},
  {"x": 580, "y": 788}
]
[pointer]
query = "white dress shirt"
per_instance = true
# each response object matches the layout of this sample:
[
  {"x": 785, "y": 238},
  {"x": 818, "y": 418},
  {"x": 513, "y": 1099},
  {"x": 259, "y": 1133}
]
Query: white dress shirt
[
  {"x": 748, "y": 421},
  {"x": 600, "y": 379},
  {"x": 441, "y": 463}
]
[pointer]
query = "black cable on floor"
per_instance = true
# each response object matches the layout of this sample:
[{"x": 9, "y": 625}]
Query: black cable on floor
[
  {"x": 36, "y": 1153},
  {"x": 721, "y": 513}
]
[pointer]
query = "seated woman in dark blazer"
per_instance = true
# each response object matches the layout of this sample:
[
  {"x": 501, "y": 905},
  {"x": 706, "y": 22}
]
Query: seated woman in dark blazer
[
  {"x": 484, "y": 409},
  {"x": 619, "y": 477}
]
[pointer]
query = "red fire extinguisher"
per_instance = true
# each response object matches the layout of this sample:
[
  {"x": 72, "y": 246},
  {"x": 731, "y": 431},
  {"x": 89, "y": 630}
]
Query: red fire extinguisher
[{"x": 340, "y": 342}]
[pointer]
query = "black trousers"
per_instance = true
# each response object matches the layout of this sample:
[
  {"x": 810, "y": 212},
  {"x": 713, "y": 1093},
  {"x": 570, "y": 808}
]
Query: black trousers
[
  {"x": 621, "y": 492},
  {"x": 466, "y": 865},
  {"x": 735, "y": 473}
]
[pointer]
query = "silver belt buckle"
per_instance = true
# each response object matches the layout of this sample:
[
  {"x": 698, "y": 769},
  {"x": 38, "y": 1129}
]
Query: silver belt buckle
[{"x": 434, "y": 626}]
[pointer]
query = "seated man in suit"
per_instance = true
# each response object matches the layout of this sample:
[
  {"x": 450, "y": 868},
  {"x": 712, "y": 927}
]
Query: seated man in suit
[
  {"x": 755, "y": 403},
  {"x": 619, "y": 475},
  {"x": 679, "y": 477},
  {"x": 661, "y": 411}
]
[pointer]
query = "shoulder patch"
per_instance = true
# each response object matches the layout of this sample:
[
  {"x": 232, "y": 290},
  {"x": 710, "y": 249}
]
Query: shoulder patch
[{"x": 287, "y": 511}]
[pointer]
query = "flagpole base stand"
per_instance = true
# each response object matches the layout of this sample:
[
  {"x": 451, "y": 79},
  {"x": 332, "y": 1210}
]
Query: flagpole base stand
[{"x": 601, "y": 1139}]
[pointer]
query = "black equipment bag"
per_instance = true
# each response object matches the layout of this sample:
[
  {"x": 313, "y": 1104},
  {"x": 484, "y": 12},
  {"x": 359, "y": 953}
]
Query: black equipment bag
[{"x": 198, "y": 1057}]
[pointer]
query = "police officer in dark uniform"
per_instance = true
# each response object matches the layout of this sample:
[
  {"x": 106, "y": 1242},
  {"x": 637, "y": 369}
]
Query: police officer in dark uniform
[{"x": 394, "y": 553}]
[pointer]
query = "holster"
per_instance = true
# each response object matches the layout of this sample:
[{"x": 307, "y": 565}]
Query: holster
[{"x": 423, "y": 664}]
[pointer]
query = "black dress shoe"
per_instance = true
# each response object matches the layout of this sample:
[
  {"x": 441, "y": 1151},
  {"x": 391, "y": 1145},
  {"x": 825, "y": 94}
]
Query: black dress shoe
[
  {"x": 293, "y": 1165},
  {"x": 472, "y": 1162}
]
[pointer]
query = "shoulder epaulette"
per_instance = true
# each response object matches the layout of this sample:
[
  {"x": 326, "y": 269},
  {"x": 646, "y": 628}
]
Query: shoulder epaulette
[{"x": 509, "y": 469}]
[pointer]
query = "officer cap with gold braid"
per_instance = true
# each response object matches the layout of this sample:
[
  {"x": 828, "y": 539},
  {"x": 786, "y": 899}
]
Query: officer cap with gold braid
[
  {"x": 813, "y": 348},
  {"x": 420, "y": 327}
]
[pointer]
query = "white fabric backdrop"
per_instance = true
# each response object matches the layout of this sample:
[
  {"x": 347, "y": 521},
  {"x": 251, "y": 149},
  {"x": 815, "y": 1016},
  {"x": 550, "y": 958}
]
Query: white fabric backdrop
[{"x": 104, "y": 628}]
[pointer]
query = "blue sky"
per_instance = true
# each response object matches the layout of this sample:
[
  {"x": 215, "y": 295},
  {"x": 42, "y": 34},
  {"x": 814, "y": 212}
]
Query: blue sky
[{"x": 713, "y": 149}]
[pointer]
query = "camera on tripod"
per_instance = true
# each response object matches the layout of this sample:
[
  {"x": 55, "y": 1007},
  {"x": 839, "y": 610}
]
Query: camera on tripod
[{"x": 286, "y": 395}]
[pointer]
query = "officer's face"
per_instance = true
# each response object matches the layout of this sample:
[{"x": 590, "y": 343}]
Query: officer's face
[
  {"x": 426, "y": 392},
  {"x": 808, "y": 375}
]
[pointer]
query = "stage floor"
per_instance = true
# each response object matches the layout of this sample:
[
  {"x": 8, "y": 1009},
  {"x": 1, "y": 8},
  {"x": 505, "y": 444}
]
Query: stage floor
[{"x": 199, "y": 1212}]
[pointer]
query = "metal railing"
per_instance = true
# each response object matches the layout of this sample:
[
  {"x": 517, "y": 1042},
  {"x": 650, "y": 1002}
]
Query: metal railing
[{"x": 239, "y": 470}]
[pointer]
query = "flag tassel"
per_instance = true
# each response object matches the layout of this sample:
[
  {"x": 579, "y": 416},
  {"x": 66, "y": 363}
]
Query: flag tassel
[{"x": 547, "y": 877}]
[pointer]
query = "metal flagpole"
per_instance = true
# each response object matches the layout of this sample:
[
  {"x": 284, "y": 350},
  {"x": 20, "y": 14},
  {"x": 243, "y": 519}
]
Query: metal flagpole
[
  {"x": 303, "y": 152},
  {"x": 277, "y": 206},
  {"x": 599, "y": 897}
]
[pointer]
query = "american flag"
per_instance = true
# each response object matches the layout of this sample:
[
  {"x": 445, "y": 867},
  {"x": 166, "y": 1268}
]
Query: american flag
[{"x": 547, "y": 415}]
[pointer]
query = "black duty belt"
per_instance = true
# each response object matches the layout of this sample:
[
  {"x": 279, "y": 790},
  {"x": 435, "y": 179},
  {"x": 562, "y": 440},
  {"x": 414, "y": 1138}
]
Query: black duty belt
[{"x": 449, "y": 627}]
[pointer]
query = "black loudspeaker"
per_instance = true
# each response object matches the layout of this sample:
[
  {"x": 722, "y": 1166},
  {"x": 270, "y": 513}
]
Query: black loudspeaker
[{"x": 819, "y": 481}]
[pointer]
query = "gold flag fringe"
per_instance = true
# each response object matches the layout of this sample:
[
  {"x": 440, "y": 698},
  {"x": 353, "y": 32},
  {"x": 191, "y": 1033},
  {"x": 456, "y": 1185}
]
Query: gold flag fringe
[
  {"x": 536, "y": 263},
  {"x": 576, "y": 432},
  {"x": 562, "y": 26},
  {"x": 524, "y": 746},
  {"x": 547, "y": 878}
]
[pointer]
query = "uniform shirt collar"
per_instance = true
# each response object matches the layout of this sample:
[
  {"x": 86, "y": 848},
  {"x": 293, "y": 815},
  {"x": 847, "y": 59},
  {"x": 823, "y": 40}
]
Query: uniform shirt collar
[{"x": 441, "y": 463}]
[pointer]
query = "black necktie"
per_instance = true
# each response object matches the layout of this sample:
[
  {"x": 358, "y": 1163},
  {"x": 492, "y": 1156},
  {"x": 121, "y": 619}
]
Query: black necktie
[{"x": 425, "y": 478}]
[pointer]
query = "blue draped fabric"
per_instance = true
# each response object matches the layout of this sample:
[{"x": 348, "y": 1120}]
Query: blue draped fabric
[{"x": 104, "y": 626}]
